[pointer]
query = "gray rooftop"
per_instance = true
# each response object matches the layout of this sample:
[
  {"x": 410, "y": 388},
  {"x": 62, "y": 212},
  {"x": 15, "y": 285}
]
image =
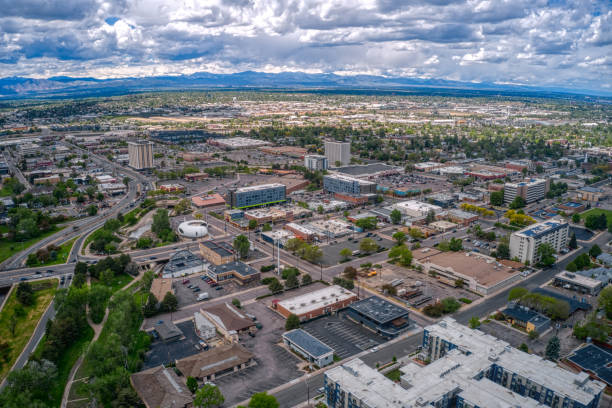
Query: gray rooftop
[
  {"x": 182, "y": 260},
  {"x": 308, "y": 343},
  {"x": 237, "y": 266},
  {"x": 379, "y": 310},
  {"x": 366, "y": 169}
]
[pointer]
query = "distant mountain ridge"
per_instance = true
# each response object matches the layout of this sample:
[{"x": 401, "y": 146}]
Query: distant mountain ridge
[{"x": 68, "y": 87}]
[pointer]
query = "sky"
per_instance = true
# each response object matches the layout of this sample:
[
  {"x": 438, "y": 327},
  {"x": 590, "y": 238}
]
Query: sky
[{"x": 531, "y": 42}]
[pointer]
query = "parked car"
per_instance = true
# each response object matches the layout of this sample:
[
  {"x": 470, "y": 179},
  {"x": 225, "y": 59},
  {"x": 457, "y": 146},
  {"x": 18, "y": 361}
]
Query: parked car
[
  {"x": 196, "y": 289},
  {"x": 219, "y": 288},
  {"x": 185, "y": 281}
]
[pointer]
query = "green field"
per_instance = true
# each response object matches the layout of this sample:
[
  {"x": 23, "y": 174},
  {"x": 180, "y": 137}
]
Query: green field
[
  {"x": 119, "y": 281},
  {"x": 10, "y": 248},
  {"x": 597, "y": 211},
  {"x": 26, "y": 319},
  {"x": 62, "y": 254}
]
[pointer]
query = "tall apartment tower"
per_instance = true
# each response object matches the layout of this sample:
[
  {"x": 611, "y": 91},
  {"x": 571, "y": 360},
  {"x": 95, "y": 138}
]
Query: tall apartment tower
[
  {"x": 531, "y": 190},
  {"x": 338, "y": 152},
  {"x": 140, "y": 154},
  {"x": 315, "y": 162}
]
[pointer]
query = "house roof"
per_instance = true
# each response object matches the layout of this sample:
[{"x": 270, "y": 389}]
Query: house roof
[
  {"x": 213, "y": 361},
  {"x": 160, "y": 387}
]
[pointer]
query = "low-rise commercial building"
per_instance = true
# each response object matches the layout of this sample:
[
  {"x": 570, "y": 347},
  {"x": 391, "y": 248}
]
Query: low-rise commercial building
[
  {"x": 380, "y": 316},
  {"x": 172, "y": 188},
  {"x": 218, "y": 362},
  {"x": 238, "y": 143},
  {"x": 183, "y": 263},
  {"x": 589, "y": 193},
  {"x": 309, "y": 347},
  {"x": 578, "y": 283},
  {"x": 228, "y": 320},
  {"x": 314, "y": 304},
  {"x": 524, "y": 244},
  {"x": 302, "y": 232},
  {"x": 167, "y": 331},
  {"x": 265, "y": 215},
  {"x": 217, "y": 252},
  {"x": 460, "y": 217},
  {"x": 526, "y": 318},
  {"x": 413, "y": 208},
  {"x": 572, "y": 207},
  {"x": 191, "y": 177},
  {"x": 530, "y": 190},
  {"x": 207, "y": 200},
  {"x": 161, "y": 387},
  {"x": 113, "y": 188},
  {"x": 237, "y": 271},
  {"x": 255, "y": 196},
  {"x": 204, "y": 328},
  {"x": 443, "y": 226}
]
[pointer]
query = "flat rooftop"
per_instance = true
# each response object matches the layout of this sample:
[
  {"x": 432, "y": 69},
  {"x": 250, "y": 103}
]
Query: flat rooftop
[
  {"x": 542, "y": 228},
  {"x": 315, "y": 300},
  {"x": 182, "y": 260},
  {"x": 595, "y": 359},
  {"x": 344, "y": 177},
  {"x": 379, "y": 310},
  {"x": 367, "y": 169},
  {"x": 578, "y": 279},
  {"x": 240, "y": 268},
  {"x": 259, "y": 187},
  {"x": 310, "y": 344}
]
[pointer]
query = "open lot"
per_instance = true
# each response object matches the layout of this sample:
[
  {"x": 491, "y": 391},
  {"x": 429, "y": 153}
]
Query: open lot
[
  {"x": 164, "y": 353},
  {"x": 186, "y": 296},
  {"x": 275, "y": 365},
  {"x": 344, "y": 336},
  {"x": 331, "y": 252}
]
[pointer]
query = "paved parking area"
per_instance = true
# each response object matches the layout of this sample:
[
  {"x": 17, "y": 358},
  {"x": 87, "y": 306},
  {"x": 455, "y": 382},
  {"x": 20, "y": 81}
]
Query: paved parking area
[
  {"x": 344, "y": 336},
  {"x": 164, "y": 353},
  {"x": 331, "y": 253},
  {"x": 186, "y": 296},
  {"x": 275, "y": 365}
]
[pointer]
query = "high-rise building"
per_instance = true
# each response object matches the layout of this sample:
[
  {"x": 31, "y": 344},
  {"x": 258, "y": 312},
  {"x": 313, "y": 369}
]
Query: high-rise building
[
  {"x": 524, "y": 244},
  {"x": 531, "y": 190},
  {"x": 140, "y": 154},
  {"x": 338, "y": 152},
  {"x": 315, "y": 162},
  {"x": 255, "y": 196}
]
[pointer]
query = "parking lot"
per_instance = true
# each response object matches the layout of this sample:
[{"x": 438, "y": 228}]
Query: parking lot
[
  {"x": 164, "y": 353},
  {"x": 275, "y": 365},
  {"x": 331, "y": 252},
  {"x": 186, "y": 295},
  {"x": 344, "y": 336}
]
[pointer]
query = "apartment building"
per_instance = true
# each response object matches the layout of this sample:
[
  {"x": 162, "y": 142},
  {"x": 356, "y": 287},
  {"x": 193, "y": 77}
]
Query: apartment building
[
  {"x": 140, "y": 155},
  {"x": 255, "y": 196},
  {"x": 530, "y": 190},
  {"x": 338, "y": 152},
  {"x": 338, "y": 183},
  {"x": 315, "y": 162},
  {"x": 524, "y": 244}
]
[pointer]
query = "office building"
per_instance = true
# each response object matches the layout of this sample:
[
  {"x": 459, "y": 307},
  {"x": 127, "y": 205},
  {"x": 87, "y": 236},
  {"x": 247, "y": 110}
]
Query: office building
[
  {"x": 183, "y": 263},
  {"x": 237, "y": 271},
  {"x": 524, "y": 244},
  {"x": 338, "y": 183},
  {"x": 229, "y": 321},
  {"x": 315, "y": 162},
  {"x": 530, "y": 190},
  {"x": 140, "y": 155},
  {"x": 218, "y": 252},
  {"x": 311, "y": 305},
  {"x": 589, "y": 193},
  {"x": 212, "y": 364},
  {"x": 579, "y": 283},
  {"x": 413, "y": 208},
  {"x": 380, "y": 316},
  {"x": 338, "y": 153},
  {"x": 254, "y": 196},
  {"x": 309, "y": 347},
  {"x": 467, "y": 369}
]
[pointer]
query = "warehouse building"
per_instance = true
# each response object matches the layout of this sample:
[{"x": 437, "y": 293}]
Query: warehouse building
[
  {"x": 524, "y": 244},
  {"x": 309, "y": 347},
  {"x": 254, "y": 196},
  {"x": 321, "y": 302},
  {"x": 218, "y": 362},
  {"x": 589, "y": 193},
  {"x": 530, "y": 190},
  {"x": 380, "y": 316}
]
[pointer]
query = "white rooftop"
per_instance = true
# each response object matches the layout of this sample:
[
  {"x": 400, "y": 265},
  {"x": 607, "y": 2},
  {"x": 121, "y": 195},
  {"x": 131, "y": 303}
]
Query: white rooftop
[
  {"x": 259, "y": 187},
  {"x": 314, "y": 300}
]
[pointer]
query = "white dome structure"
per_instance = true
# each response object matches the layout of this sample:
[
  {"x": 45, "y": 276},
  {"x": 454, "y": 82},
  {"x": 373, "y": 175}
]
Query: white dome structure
[{"x": 193, "y": 229}]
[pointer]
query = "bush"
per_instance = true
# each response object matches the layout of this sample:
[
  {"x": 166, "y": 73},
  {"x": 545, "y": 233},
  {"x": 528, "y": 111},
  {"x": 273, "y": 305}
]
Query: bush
[
  {"x": 345, "y": 283},
  {"x": 291, "y": 271},
  {"x": 465, "y": 300},
  {"x": 292, "y": 322},
  {"x": 267, "y": 268},
  {"x": 268, "y": 280},
  {"x": 450, "y": 305},
  {"x": 236, "y": 302}
]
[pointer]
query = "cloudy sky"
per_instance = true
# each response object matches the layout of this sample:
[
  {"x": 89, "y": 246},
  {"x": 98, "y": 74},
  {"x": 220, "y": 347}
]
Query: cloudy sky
[{"x": 535, "y": 42}]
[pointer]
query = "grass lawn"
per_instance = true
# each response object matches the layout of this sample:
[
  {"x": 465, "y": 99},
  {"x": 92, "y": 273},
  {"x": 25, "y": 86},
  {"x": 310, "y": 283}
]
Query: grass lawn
[
  {"x": 44, "y": 292},
  {"x": 65, "y": 364},
  {"x": 10, "y": 248},
  {"x": 118, "y": 282},
  {"x": 394, "y": 375},
  {"x": 62, "y": 254},
  {"x": 597, "y": 211}
]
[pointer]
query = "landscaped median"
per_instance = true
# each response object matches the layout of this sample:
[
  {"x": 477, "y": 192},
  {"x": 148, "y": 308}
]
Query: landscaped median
[
  {"x": 51, "y": 255},
  {"x": 18, "y": 321}
]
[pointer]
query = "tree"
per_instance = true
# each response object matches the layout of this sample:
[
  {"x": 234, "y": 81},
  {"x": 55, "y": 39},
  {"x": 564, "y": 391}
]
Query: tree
[
  {"x": 170, "y": 303},
  {"x": 263, "y": 400},
  {"x": 503, "y": 251},
  {"x": 455, "y": 244},
  {"x": 106, "y": 277},
  {"x": 368, "y": 245},
  {"x": 546, "y": 251},
  {"x": 401, "y": 254},
  {"x": 236, "y": 302},
  {"x": 497, "y": 198},
  {"x": 415, "y": 233},
  {"x": 517, "y": 293},
  {"x": 252, "y": 224},
  {"x": 292, "y": 281},
  {"x": 430, "y": 217},
  {"x": 275, "y": 286},
  {"x": 553, "y": 348},
  {"x": 518, "y": 202},
  {"x": 533, "y": 335},
  {"x": 242, "y": 245},
  {"x": 192, "y": 384},
  {"x": 161, "y": 223},
  {"x": 523, "y": 347},
  {"x": 576, "y": 218},
  {"x": 474, "y": 322},
  {"x": 292, "y": 322},
  {"x": 450, "y": 305},
  {"x": 396, "y": 216},
  {"x": 345, "y": 253},
  {"x": 350, "y": 272},
  {"x": 595, "y": 251},
  {"x": 573, "y": 244},
  {"x": 306, "y": 279},
  {"x": 266, "y": 227},
  {"x": 294, "y": 244},
  {"x": 25, "y": 294},
  {"x": 605, "y": 301},
  {"x": 399, "y": 237},
  {"x": 92, "y": 210},
  {"x": 208, "y": 396},
  {"x": 368, "y": 223},
  {"x": 150, "y": 308},
  {"x": 312, "y": 253}
]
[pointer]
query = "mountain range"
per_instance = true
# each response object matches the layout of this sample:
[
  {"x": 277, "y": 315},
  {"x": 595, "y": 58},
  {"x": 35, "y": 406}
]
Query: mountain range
[{"x": 69, "y": 87}]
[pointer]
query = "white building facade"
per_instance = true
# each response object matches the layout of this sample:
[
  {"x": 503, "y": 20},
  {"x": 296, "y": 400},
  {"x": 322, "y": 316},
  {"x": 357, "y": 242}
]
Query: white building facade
[
  {"x": 524, "y": 244},
  {"x": 315, "y": 162},
  {"x": 338, "y": 152},
  {"x": 140, "y": 155}
]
